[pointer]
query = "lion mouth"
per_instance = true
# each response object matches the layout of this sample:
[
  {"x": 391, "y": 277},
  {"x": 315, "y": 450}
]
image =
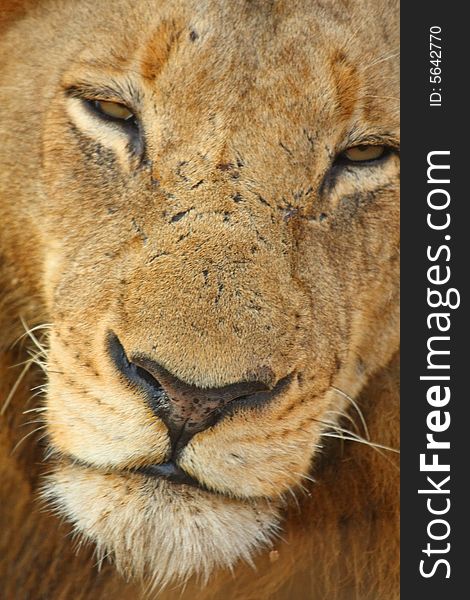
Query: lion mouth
[
  {"x": 168, "y": 471},
  {"x": 172, "y": 473}
]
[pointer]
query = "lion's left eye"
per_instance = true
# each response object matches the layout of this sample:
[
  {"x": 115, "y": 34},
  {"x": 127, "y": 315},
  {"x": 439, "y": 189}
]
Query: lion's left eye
[
  {"x": 113, "y": 110},
  {"x": 364, "y": 153}
]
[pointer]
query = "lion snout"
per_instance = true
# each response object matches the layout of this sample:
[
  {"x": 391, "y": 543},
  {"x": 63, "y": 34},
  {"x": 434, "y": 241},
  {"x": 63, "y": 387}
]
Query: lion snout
[{"x": 187, "y": 409}]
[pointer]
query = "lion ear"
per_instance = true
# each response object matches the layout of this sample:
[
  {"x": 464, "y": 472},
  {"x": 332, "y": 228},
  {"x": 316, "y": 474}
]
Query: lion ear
[{"x": 13, "y": 10}]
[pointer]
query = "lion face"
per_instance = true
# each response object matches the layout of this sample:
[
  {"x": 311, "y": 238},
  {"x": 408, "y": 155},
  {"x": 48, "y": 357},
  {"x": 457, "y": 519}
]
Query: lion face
[{"x": 218, "y": 226}]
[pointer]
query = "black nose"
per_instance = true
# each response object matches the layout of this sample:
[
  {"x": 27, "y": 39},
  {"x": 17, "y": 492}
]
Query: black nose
[{"x": 184, "y": 408}]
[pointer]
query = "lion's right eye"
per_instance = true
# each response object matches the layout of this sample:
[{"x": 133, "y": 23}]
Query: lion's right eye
[
  {"x": 112, "y": 110},
  {"x": 364, "y": 153}
]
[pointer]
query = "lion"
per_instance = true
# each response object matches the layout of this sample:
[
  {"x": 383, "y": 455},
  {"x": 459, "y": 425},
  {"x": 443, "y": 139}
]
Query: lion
[{"x": 199, "y": 268}]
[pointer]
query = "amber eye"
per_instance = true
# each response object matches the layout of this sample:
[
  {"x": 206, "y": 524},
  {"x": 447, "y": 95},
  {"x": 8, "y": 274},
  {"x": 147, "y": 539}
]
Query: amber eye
[
  {"x": 364, "y": 153},
  {"x": 113, "y": 110}
]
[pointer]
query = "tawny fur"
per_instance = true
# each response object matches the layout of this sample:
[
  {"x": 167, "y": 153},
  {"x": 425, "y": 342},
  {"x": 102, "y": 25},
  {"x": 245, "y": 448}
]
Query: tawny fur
[{"x": 229, "y": 249}]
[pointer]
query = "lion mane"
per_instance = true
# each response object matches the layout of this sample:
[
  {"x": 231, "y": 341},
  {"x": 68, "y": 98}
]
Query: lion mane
[{"x": 199, "y": 260}]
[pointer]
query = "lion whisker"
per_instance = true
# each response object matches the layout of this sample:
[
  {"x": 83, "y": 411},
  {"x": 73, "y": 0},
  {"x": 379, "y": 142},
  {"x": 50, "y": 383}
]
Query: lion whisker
[
  {"x": 31, "y": 422},
  {"x": 41, "y": 364},
  {"x": 35, "y": 357},
  {"x": 356, "y": 438},
  {"x": 356, "y": 406},
  {"x": 30, "y": 329},
  {"x": 305, "y": 476},
  {"x": 40, "y": 409},
  {"x": 281, "y": 498},
  {"x": 345, "y": 415},
  {"x": 43, "y": 436},
  {"x": 15, "y": 386},
  {"x": 382, "y": 59},
  {"x": 24, "y": 362},
  {"x": 296, "y": 500},
  {"x": 30, "y": 333},
  {"x": 27, "y": 436},
  {"x": 99, "y": 559},
  {"x": 37, "y": 394},
  {"x": 41, "y": 386},
  {"x": 343, "y": 438},
  {"x": 49, "y": 453}
]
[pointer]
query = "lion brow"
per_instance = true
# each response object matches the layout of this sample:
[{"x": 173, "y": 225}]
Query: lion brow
[{"x": 115, "y": 90}]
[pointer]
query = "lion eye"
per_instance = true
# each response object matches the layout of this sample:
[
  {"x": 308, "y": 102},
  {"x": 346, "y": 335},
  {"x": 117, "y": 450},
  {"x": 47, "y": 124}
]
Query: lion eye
[
  {"x": 114, "y": 110},
  {"x": 364, "y": 153}
]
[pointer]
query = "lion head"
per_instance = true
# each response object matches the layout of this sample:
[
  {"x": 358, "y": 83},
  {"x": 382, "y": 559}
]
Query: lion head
[{"x": 201, "y": 199}]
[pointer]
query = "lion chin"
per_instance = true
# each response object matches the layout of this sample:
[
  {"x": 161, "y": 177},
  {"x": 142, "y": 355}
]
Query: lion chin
[{"x": 156, "y": 531}]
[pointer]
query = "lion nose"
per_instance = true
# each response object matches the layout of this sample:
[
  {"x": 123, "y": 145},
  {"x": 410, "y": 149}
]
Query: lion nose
[{"x": 184, "y": 408}]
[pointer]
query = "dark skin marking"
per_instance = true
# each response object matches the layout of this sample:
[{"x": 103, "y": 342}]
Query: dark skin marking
[
  {"x": 225, "y": 166},
  {"x": 361, "y": 367},
  {"x": 263, "y": 201},
  {"x": 337, "y": 363},
  {"x": 329, "y": 180},
  {"x": 310, "y": 138},
  {"x": 220, "y": 289},
  {"x": 140, "y": 232},
  {"x": 182, "y": 164},
  {"x": 180, "y": 215},
  {"x": 155, "y": 256},
  {"x": 289, "y": 212},
  {"x": 285, "y": 148}
]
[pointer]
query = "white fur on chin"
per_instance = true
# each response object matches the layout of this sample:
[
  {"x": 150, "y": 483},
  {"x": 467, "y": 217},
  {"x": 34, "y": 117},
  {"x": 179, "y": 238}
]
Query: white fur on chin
[{"x": 158, "y": 531}]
